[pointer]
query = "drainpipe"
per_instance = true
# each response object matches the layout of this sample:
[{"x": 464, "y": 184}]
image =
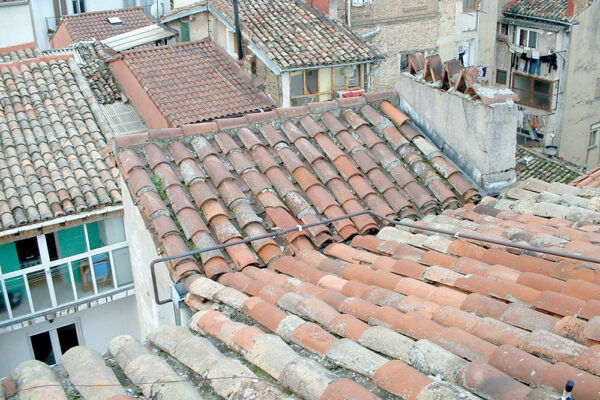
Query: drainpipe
[
  {"x": 238, "y": 31},
  {"x": 349, "y": 13}
]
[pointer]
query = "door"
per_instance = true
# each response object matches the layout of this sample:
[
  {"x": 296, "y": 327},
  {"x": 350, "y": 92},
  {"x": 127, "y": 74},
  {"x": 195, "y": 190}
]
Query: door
[{"x": 48, "y": 346}]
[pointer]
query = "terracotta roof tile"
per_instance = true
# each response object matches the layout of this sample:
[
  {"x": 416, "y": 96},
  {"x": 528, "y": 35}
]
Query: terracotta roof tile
[
  {"x": 62, "y": 169},
  {"x": 295, "y": 35},
  {"x": 95, "y": 25},
  {"x": 480, "y": 317},
  {"x": 213, "y": 86}
]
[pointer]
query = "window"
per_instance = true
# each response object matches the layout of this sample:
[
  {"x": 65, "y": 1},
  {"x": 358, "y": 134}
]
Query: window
[
  {"x": 597, "y": 94},
  {"x": 41, "y": 273},
  {"x": 502, "y": 29},
  {"x": 501, "y": 77},
  {"x": 184, "y": 31},
  {"x": 592, "y": 150},
  {"x": 470, "y": 5},
  {"x": 50, "y": 345},
  {"x": 526, "y": 37},
  {"x": 28, "y": 252},
  {"x": 533, "y": 92},
  {"x": 304, "y": 86},
  {"x": 346, "y": 78},
  {"x": 78, "y": 6}
]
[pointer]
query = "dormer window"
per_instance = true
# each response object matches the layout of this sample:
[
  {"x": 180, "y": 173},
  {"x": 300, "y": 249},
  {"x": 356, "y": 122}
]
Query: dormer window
[{"x": 115, "y": 21}]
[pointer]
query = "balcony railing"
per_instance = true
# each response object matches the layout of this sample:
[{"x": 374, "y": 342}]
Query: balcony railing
[{"x": 45, "y": 287}]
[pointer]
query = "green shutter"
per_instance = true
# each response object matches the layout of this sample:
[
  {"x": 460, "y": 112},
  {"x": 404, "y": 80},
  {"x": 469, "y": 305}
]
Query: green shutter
[{"x": 184, "y": 31}]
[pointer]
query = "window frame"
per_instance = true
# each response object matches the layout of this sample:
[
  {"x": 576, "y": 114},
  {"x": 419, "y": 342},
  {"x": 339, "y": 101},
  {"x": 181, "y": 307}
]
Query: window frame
[
  {"x": 532, "y": 92},
  {"x": 594, "y": 132},
  {"x": 505, "y": 76},
  {"x": 471, "y": 6},
  {"x": 55, "y": 342},
  {"x": 306, "y": 94},
  {"x": 517, "y": 36},
  {"x": 346, "y": 86}
]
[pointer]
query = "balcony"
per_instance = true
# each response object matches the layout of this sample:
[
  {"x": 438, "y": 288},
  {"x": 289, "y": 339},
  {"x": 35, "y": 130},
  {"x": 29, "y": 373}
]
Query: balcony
[{"x": 54, "y": 271}]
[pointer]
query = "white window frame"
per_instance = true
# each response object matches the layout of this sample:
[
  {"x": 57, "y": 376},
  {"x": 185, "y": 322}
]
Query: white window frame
[
  {"x": 528, "y": 30},
  {"x": 594, "y": 132},
  {"x": 45, "y": 266},
  {"x": 53, "y": 331}
]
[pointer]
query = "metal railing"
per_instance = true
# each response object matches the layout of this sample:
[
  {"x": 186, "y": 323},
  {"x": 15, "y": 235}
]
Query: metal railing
[{"x": 279, "y": 232}]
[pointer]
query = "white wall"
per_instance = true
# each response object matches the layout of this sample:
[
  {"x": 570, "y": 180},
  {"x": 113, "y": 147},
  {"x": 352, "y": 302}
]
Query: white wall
[
  {"x": 101, "y": 5},
  {"x": 15, "y": 24},
  {"x": 98, "y": 325},
  {"x": 142, "y": 251}
]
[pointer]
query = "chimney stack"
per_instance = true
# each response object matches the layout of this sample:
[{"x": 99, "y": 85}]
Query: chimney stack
[
  {"x": 574, "y": 7},
  {"x": 570, "y": 8},
  {"x": 327, "y": 7}
]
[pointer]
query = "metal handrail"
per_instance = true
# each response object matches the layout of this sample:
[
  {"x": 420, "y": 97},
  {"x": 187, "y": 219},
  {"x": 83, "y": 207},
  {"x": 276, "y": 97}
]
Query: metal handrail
[{"x": 279, "y": 232}]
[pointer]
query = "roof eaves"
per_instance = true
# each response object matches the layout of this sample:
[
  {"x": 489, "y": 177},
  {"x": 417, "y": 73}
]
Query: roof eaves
[
  {"x": 554, "y": 21},
  {"x": 262, "y": 56},
  {"x": 185, "y": 13}
]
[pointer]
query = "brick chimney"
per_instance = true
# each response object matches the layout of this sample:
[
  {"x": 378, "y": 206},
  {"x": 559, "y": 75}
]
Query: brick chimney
[
  {"x": 327, "y": 7},
  {"x": 574, "y": 7}
]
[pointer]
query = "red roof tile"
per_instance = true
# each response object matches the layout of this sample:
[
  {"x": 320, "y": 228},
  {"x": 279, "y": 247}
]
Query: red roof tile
[
  {"x": 95, "y": 25},
  {"x": 194, "y": 81}
]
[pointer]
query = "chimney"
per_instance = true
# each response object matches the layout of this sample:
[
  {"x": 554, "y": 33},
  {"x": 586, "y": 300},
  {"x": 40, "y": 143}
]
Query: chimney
[
  {"x": 570, "y": 8},
  {"x": 327, "y": 7},
  {"x": 574, "y": 7}
]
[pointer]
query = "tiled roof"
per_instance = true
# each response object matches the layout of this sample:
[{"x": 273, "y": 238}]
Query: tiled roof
[
  {"x": 287, "y": 167},
  {"x": 52, "y": 158},
  {"x": 94, "y": 25},
  {"x": 294, "y": 35},
  {"x": 20, "y": 54},
  {"x": 548, "y": 9},
  {"x": 98, "y": 74},
  {"x": 404, "y": 313},
  {"x": 532, "y": 164},
  {"x": 592, "y": 178},
  {"x": 194, "y": 81}
]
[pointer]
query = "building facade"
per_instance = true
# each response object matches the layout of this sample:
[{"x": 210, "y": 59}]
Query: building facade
[
  {"x": 462, "y": 29},
  {"x": 549, "y": 59},
  {"x": 65, "y": 275},
  {"x": 327, "y": 62}
]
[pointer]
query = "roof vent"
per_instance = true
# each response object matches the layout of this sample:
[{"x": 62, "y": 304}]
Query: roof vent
[{"x": 115, "y": 21}]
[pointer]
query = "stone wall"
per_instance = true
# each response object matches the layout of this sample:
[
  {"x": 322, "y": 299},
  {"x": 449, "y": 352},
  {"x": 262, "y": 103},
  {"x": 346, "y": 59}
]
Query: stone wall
[
  {"x": 401, "y": 27},
  {"x": 480, "y": 139}
]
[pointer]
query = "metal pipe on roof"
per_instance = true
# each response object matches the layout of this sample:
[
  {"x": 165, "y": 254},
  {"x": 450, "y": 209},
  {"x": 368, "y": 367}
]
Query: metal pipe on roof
[
  {"x": 238, "y": 30},
  {"x": 455, "y": 234}
]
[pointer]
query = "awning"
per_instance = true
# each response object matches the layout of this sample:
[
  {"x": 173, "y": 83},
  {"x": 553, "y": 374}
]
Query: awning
[{"x": 139, "y": 37}]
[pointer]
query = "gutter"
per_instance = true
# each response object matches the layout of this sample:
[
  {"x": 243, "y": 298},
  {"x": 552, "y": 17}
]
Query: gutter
[
  {"x": 279, "y": 232},
  {"x": 62, "y": 220}
]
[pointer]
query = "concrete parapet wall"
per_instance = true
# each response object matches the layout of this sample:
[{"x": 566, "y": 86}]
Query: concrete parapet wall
[{"x": 479, "y": 138}]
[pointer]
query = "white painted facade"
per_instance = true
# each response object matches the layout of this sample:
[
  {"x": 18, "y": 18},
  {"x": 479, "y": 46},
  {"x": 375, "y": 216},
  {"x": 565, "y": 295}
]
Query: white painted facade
[
  {"x": 15, "y": 24},
  {"x": 73, "y": 276},
  {"x": 150, "y": 314},
  {"x": 96, "y": 326}
]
